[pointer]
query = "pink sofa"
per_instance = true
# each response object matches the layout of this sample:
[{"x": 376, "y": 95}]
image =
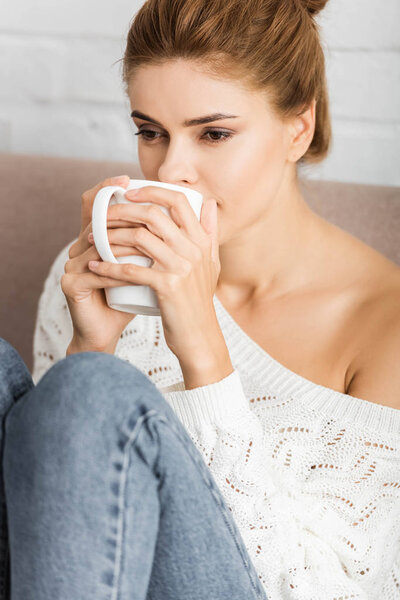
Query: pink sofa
[{"x": 40, "y": 214}]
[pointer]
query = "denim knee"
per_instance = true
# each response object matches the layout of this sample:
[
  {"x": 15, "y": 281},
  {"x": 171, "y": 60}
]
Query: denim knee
[
  {"x": 87, "y": 388},
  {"x": 101, "y": 375},
  {"x": 84, "y": 407}
]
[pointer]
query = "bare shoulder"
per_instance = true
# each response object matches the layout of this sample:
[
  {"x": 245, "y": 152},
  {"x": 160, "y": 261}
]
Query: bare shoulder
[{"x": 374, "y": 373}]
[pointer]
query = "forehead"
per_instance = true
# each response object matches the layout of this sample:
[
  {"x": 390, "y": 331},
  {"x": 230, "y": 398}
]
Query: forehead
[{"x": 181, "y": 87}]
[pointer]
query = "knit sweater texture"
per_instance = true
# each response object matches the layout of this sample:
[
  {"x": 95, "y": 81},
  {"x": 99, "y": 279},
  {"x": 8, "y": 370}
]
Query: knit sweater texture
[{"x": 311, "y": 475}]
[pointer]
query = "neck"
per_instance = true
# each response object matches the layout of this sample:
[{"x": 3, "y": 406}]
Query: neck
[{"x": 273, "y": 256}]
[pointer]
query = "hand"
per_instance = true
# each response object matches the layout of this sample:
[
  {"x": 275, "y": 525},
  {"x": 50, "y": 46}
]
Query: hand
[
  {"x": 96, "y": 326},
  {"x": 185, "y": 271}
]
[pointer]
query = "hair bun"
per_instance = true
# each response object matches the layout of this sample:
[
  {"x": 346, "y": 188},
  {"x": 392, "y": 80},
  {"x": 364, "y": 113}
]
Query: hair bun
[{"x": 314, "y": 6}]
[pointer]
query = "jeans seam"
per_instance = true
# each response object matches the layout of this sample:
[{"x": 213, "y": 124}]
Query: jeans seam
[{"x": 122, "y": 500}]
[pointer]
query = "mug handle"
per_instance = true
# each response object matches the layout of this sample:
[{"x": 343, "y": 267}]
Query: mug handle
[{"x": 99, "y": 221}]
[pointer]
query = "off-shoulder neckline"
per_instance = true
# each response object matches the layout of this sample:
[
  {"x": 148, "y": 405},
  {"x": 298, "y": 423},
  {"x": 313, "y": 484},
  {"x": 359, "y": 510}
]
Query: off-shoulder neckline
[{"x": 257, "y": 363}]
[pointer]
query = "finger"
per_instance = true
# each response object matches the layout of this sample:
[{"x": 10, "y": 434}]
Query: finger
[
  {"x": 121, "y": 249},
  {"x": 83, "y": 242},
  {"x": 152, "y": 246},
  {"x": 158, "y": 224},
  {"x": 123, "y": 243},
  {"x": 79, "y": 264},
  {"x": 121, "y": 236},
  {"x": 178, "y": 205},
  {"x": 89, "y": 195},
  {"x": 123, "y": 223},
  {"x": 74, "y": 284},
  {"x": 131, "y": 274}
]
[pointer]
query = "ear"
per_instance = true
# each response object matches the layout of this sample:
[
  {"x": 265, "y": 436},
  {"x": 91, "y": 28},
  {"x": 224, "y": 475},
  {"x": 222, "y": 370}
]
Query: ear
[{"x": 301, "y": 131}]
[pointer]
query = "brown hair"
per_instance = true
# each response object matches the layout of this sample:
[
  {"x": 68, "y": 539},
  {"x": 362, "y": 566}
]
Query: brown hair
[{"x": 270, "y": 45}]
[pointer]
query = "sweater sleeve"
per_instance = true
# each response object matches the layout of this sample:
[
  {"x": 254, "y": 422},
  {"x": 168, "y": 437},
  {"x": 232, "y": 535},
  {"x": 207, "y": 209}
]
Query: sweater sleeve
[
  {"x": 302, "y": 544},
  {"x": 53, "y": 326}
]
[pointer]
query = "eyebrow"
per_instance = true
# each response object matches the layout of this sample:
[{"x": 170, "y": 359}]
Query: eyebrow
[{"x": 187, "y": 123}]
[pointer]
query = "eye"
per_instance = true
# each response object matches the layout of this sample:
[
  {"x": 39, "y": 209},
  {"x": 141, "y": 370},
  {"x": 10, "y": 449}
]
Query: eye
[
  {"x": 225, "y": 135},
  {"x": 153, "y": 135}
]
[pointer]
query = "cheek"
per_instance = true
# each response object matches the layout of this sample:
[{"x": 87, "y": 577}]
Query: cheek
[
  {"x": 252, "y": 170},
  {"x": 149, "y": 162},
  {"x": 261, "y": 167}
]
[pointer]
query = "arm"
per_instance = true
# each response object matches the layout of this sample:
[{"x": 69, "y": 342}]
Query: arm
[
  {"x": 77, "y": 346},
  {"x": 209, "y": 365}
]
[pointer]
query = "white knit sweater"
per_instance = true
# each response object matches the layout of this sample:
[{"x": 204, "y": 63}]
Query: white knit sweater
[{"x": 311, "y": 475}]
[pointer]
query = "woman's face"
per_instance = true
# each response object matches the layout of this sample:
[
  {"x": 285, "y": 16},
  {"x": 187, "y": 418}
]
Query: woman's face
[{"x": 240, "y": 162}]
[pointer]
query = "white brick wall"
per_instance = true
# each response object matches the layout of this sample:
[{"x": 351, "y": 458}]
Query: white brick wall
[{"x": 61, "y": 94}]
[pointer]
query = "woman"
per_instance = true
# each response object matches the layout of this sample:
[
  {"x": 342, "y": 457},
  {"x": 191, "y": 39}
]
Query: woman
[{"x": 274, "y": 352}]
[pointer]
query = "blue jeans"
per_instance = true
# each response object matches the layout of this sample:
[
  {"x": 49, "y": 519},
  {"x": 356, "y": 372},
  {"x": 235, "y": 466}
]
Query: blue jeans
[{"x": 103, "y": 494}]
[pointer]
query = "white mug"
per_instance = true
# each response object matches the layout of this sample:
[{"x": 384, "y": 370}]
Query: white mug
[{"x": 137, "y": 299}]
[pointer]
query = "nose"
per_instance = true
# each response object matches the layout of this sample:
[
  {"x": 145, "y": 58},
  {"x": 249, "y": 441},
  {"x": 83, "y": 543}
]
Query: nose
[{"x": 177, "y": 166}]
